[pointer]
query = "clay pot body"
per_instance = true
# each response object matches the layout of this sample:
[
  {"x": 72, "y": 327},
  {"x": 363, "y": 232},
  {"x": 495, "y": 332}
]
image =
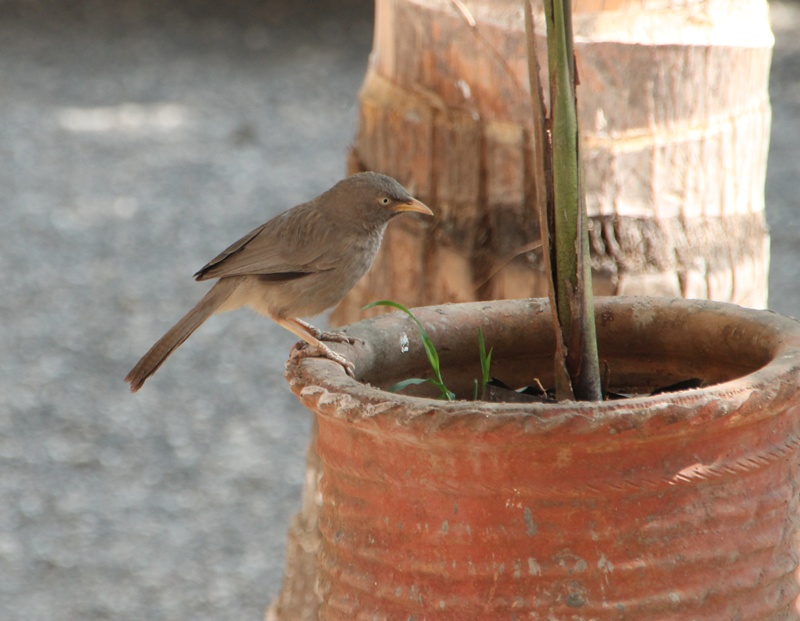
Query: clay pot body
[{"x": 678, "y": 506}]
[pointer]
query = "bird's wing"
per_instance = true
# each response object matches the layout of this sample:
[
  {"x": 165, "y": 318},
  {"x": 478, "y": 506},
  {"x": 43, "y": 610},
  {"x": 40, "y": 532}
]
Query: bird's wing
[{"x": 285, "y": 248}]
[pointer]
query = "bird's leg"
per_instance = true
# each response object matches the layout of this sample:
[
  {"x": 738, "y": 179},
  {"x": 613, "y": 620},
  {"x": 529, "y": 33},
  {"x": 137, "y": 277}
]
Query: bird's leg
[
  {"x": 333, "y": 337},
  {"x": 301, "y": 329}
]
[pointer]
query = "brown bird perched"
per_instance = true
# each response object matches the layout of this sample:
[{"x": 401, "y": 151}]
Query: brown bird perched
[{"x": 298, "y": 264}]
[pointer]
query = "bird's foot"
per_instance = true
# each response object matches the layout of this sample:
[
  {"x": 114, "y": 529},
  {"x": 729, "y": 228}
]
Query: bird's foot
[
  {"x": 338, "y": 337},
  {"x": 331, "y": 337},
  {"x": 304, "y": 350},
  {"x": 335, "y": 337}
]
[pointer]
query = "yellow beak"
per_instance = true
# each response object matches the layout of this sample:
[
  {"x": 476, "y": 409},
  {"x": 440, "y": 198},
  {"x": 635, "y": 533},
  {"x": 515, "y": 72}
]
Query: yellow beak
[{"x": 413, "y": 205}]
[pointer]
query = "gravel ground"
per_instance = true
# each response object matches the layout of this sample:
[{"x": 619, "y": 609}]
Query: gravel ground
[
  {"x": 783, "y": 170},
  {"x": 135, "y": 144},
  {"x": 127, "y": 131}
]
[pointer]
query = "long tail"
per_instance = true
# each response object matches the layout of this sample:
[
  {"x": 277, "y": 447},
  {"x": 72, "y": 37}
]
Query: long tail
[{"x": 181, "y": 331}]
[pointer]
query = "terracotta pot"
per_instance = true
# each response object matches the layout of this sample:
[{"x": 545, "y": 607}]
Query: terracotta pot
[{"x": 679, "y": 506}]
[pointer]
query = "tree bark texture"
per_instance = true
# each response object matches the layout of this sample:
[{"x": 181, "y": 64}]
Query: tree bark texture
[{"x": 675, "y": 117}]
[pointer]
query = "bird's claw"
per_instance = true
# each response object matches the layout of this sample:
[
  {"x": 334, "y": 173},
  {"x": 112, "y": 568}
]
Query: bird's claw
[
  {"x": 331, "y": 337},
  {"x": 303, "y": 350},
  {"x": 337, "y": 337}
]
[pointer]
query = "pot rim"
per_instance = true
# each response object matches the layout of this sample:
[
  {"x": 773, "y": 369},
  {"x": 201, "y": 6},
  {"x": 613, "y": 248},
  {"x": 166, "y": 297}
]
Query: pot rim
[{"x": 324, "y": 386}]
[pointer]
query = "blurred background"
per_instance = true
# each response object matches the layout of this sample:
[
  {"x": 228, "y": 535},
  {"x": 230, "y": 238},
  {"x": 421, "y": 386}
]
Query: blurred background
[{"x": 136, "y": 141}]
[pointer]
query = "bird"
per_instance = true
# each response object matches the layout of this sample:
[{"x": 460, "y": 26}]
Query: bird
[{"x": 298, "y": 264}]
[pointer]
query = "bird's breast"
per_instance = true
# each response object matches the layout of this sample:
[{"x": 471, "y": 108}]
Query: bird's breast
[{"x": 318, "y": 291}]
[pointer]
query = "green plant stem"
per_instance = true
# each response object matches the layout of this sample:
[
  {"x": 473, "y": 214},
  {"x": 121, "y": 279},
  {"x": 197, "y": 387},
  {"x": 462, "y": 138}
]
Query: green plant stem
[
  {"x": 573, "y": 283},
  {"x": 543, "y": 200}
]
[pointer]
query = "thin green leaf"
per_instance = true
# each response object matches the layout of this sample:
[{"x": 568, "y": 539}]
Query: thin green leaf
[
  {"x": 486, "y": 363},
  {"x": 433, "y": 355},
  {"x": 427, "y": 343},
  {"x": 430, "y": 349},
  {"x": 413, "y": 381},
  {"x": 399, "y": 307},
  {"x": 446, "y": 394}
]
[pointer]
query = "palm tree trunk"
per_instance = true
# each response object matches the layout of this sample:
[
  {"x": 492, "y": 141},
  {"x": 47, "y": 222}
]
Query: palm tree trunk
[{"x": 675, "y": 119}]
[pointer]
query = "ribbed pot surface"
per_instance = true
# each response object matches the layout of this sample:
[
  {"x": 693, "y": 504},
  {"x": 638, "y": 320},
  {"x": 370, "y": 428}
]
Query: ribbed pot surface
[{"x": 679, "y": 506}]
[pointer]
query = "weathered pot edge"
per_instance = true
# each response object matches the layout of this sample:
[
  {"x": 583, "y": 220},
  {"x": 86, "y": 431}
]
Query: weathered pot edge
[{"x": 333, "y": 392}]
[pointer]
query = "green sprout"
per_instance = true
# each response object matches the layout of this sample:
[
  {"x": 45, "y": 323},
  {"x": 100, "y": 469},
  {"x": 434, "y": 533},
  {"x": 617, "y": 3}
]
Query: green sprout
[
  {"x": 479, "y": 387},
  {"x": 433, "y": 359}
]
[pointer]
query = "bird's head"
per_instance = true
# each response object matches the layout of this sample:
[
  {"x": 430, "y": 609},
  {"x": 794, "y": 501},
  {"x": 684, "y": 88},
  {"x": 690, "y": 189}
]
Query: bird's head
[{"x": 377, "y": 198}]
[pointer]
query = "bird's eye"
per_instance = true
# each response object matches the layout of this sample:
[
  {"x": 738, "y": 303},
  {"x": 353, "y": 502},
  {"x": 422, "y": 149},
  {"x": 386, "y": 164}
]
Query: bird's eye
[{"x": 385, "y": 201}]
